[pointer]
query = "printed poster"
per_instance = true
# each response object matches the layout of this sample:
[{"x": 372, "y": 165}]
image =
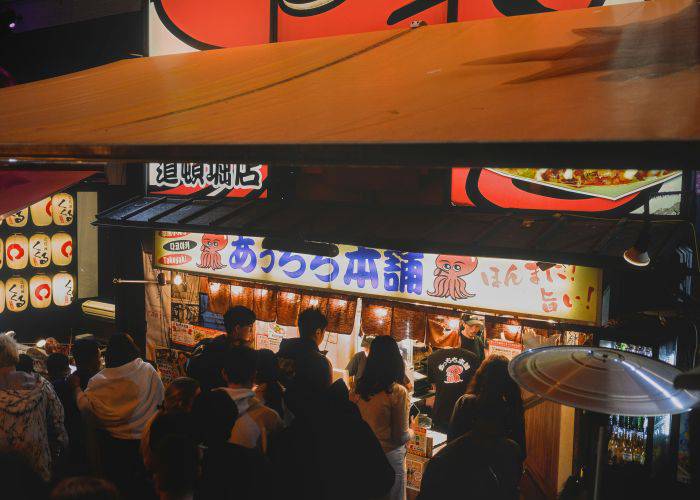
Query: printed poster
[
  {"x": 171, "y": 364},
  {"x": 190, "y": 335}
]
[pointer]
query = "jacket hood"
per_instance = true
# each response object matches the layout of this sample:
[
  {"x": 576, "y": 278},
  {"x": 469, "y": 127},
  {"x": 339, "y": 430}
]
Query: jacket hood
[
  {"x": 243, "y": 397},
  {"x": 19, "y": 401}
]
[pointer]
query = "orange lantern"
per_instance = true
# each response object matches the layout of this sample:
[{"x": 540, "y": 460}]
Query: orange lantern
[
  {"x": 2, "y": 296},
  {"x": 63, "y": 286},
  {"x": 18, "y": 219},
  {"x": 63, "y": 209},
  {"x": 17, "y": 251},
  {"x": 16, "y": 294},
  {"x": 42, "y": 212},
  {"x": 40, "y": 250},
  {"x": 40, "y": 291},
  {"x": 62, "y": 249}
]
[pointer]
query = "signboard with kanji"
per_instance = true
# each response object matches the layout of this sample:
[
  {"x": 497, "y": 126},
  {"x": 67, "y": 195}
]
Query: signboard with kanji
[
  {"x": 233, "y": 180},
  {"x": 564, "y": 292}
]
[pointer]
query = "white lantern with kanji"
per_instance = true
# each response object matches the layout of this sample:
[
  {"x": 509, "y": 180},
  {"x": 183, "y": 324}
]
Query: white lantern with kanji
[
  {"x": 63, "y": 287},
  {"x": 2, "y": 296},
  {"x": 42, "y": 212},
  {"x": 17, "y": 251},
  {"x": 40, "y": 250},
  {"x": 16, "y": 294},
  {"x": 63, "y": 209},
  {"x": 18, "y": 219},
  {"x": 62, "y": 249},
  {"x": 40, "y": 291}
]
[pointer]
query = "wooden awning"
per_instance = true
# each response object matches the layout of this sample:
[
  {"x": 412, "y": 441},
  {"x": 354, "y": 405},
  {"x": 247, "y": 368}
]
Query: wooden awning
[
  {"x": 567, "y": 239},
  {"x": 600, "y": 87}
]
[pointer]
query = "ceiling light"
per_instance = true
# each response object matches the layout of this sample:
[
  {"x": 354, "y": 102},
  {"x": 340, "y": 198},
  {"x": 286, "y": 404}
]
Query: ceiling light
[{"x": 637, "y": 255}]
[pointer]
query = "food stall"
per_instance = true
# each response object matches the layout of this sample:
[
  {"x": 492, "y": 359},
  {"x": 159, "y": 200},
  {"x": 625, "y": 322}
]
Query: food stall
[{"x": 465, "y": 97}]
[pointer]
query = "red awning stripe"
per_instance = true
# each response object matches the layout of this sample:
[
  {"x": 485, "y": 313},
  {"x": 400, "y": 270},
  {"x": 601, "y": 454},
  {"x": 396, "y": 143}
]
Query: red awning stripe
[{"x": 21, "y": 188}]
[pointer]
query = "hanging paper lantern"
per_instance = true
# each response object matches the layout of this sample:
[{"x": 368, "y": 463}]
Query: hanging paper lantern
[
  {"x": 63, "y": 286},
  {"x": 40, "y": 250},
  {"x": 2, "y": 296},
  {"x": 62, "y": 249},
  {"x": 16, "y": 294},
  {"x": 42, "y": 212},
  {"x": 40, "y": 291},
  {"x": 18, "y": 219},
  {"x": 63, "y": 209},
  {"x": 2, "y": 253},
  {"x": 17, "y": 251}
]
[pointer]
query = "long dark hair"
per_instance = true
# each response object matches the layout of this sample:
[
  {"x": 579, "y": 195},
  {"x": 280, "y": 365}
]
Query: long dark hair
[
  {"x": 384, "y": 368},
  {"x": 491, "y": 383}
]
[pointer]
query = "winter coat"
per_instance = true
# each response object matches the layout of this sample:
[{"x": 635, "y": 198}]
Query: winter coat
[{"x": 31, "y": 424}]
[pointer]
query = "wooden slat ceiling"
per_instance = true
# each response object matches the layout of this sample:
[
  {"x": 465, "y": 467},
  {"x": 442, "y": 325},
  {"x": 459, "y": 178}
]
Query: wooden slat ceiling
[{"x": 611, "y": 86}]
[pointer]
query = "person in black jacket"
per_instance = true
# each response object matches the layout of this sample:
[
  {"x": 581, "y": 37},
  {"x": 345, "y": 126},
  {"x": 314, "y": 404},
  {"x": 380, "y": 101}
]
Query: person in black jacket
[
  {"x": 326, "y": 441},
  {"x": 491, "y": 386},
  {"x": 209, "y": 358},
  {"x": 229, "y": 471},
  {"x": 481, "y": 465},
  {"x": 303, "y": 351}
]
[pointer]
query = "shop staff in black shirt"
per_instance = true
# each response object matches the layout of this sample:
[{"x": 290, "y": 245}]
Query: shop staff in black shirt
[
  {"x": 471, "y": 336},
  {"x": 356, "y": 366},
  {"x": 450, "y": 371}
]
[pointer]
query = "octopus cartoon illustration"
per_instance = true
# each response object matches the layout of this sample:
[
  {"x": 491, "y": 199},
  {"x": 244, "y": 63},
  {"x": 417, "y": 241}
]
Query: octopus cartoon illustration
[
  {"x": 212, "y": 244},
  {"x": 449, "y": 272}
]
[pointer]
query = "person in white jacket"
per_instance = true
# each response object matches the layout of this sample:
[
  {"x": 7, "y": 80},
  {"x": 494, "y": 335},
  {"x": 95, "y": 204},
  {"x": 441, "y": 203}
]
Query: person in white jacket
[{"x": 120, "y": 400}]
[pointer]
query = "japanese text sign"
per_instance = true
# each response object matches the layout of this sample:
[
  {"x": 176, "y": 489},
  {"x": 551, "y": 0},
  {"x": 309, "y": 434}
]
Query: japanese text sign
[
  {"x": 234, "y": 180},
  {"x": 565, "y": 292}
]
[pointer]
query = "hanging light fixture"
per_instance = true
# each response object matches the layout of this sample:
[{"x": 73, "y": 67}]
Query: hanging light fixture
[{"x": 638, "y": 255}]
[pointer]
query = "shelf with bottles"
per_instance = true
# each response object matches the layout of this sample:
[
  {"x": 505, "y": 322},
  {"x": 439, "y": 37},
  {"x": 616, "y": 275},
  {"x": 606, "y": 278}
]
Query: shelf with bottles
[{"x": 628, "y": 440}]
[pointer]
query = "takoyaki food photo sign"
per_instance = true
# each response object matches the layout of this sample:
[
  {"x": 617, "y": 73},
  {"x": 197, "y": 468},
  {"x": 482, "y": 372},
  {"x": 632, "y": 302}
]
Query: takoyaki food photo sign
[
  {"x": 597, "y": 191},
  {"x": 561, "y": 292},
  {"x": 37, "y": 261}
]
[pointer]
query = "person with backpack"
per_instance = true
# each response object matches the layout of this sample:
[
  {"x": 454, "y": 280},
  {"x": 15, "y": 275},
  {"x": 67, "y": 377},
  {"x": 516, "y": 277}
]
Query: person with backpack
[{"x": 209, "y": 358}]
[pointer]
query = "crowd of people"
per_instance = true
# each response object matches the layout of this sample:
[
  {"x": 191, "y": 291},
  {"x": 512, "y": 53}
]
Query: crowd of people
[{"x": 245, "y": 424}]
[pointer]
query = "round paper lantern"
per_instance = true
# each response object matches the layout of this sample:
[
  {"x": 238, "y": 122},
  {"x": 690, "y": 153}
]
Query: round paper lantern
[
  {"x": 2, "y": 296},
  {"x": 17, "y": 251},
  {"x": 42, "y": 212},
  {"x": 18, "y": 219},
  {"x": 62, "y": 249},
  {"x": 63, "y": 286},
  {"x": 16, "y": 294},
  {"x": 40, "y": 291},
  {"x": 63, "y": 209},
  {"x": 40, "y": 250},
  {"x": 2, "y": 253}
]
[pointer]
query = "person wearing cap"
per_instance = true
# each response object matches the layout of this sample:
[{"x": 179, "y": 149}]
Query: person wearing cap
[
  {"x": 356, "y": 366},
  {"x": 471, "y": 336}
]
